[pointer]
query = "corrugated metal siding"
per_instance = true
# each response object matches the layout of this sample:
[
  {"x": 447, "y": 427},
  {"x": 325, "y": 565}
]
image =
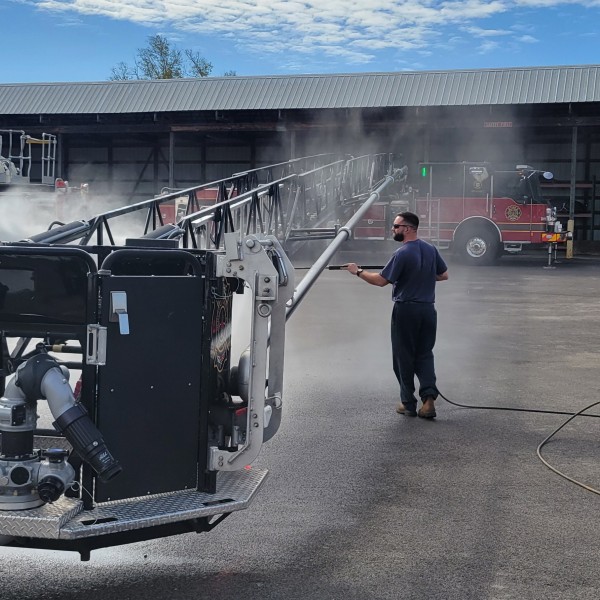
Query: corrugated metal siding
[{"x": 361, "y": 90}]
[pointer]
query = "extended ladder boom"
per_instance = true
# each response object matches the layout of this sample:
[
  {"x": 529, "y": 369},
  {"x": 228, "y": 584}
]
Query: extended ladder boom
[{"x": 92, "y": 298}]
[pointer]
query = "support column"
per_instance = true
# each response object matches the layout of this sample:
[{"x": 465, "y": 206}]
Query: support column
[
  {"x": 171, "y": 159},
  {"x": 60, "y": 156},
  {"x": 110, "y": 159},
  {"x": 571, "y": 222},
  {"x": 156, "y": 164}
]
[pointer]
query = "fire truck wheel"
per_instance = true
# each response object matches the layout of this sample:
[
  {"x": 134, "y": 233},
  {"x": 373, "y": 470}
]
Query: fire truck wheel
[{"x": 478, "y": 248}]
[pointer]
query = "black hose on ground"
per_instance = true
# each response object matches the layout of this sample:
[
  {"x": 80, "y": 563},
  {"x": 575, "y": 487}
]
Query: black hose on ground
[{"x": 572, "y": 415}]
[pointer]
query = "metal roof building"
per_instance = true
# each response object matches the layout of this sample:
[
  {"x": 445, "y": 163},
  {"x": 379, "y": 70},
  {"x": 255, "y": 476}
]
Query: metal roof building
[
  {"x": 517, "y": 86},
  {"x": 131, "y": 138}
]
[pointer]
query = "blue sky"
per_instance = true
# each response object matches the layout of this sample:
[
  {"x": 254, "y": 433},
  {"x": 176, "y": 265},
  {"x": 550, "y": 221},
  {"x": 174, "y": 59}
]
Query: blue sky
[{"x": 82, "y": 40}]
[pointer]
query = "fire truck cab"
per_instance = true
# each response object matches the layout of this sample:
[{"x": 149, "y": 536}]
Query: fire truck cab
[{"x": 481, "y": 212}]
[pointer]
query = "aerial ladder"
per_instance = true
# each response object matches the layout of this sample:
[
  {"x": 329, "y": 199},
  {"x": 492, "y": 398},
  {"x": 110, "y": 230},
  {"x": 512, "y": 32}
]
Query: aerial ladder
[{"x": 123, "y": 338}]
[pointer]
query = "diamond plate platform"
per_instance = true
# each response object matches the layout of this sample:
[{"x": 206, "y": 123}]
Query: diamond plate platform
[{"x": 66, "y": 519}]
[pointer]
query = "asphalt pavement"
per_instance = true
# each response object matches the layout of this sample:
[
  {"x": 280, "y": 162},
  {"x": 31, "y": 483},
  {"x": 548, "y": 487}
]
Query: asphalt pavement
[{"x": 364, "y": 504}]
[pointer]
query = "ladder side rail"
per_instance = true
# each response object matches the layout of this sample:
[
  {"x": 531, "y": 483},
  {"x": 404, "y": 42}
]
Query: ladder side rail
[
  {"x": 235, "y": 211},
  {"x": 312, "y": 194}
]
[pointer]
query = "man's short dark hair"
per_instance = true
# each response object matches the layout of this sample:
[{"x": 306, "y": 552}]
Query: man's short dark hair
[{"x": 410, "y": 219}]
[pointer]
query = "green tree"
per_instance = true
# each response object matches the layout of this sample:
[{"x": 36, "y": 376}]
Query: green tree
[
  {"x": 160, "y": 60},
  {"x": 121, "y": 72},
  {"x": 197, "y": 65}
]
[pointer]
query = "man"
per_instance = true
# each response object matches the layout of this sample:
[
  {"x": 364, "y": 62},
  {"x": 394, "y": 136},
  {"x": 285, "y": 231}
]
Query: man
[{"x": 413, "y": 270}]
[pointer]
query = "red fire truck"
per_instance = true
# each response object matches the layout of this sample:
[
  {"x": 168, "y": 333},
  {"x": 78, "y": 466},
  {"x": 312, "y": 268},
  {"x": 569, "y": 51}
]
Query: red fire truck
[{"x": 476, "y": 210}]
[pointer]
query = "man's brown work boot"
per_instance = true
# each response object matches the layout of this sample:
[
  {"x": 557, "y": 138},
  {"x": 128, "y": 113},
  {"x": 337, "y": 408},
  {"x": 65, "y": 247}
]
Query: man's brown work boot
[
  {"x": 427, "y": 411},
  {"x": 402, "y": 409}
]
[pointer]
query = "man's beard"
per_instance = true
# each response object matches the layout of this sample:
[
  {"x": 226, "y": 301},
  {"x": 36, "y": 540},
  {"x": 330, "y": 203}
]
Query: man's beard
[{"x": 399, "y": 237}]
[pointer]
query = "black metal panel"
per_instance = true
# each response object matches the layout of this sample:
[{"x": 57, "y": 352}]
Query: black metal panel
[
  {"x": 149, "y": 393},
  {"x": 45, "y": 287}
]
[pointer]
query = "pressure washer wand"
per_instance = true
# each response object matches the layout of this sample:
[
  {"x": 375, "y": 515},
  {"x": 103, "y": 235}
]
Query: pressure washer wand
[{"x": 341, "y": 267}]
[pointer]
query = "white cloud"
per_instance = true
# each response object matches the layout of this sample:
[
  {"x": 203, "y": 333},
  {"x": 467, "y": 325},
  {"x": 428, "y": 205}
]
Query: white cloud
[
  {"x": 352, "y": 30},
  {"x": 527, "y": 39},
  {"x": 482, "y": 33},
  {"x": 488, "y": 47}
]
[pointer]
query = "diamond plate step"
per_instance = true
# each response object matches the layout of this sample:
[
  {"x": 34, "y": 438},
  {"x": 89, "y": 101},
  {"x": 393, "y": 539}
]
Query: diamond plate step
[{"x": 66, "y": 519}]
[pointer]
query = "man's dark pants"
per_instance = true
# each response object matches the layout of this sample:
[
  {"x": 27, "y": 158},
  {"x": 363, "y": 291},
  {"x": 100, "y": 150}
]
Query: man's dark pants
[{"x": 414, "y": 326}]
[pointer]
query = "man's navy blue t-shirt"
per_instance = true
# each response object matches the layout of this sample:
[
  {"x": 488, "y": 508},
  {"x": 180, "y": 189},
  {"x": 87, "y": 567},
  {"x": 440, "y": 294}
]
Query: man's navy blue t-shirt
[{"x": 413, "y": 269}]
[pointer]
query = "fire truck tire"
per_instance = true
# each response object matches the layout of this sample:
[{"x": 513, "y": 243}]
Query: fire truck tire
[{"x": 478, "y": 247}]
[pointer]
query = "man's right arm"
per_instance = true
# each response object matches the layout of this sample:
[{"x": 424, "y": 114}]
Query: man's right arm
[
  {"x": 442, "y": 277},
  {"x": 368, "y": 276}
]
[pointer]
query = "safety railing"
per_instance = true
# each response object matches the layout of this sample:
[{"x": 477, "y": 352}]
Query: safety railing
[{"x": 16, "y": 147}]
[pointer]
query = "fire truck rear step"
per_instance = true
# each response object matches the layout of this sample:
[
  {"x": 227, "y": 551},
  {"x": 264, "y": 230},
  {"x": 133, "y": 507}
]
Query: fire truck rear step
[{"x": 66, "y": 519}]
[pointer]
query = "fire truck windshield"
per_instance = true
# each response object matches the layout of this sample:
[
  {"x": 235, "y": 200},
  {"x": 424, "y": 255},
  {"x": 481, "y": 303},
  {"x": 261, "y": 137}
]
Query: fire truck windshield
[
  {"x": 522, "y": 186},
  {"x": 536, "y": 189}
]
